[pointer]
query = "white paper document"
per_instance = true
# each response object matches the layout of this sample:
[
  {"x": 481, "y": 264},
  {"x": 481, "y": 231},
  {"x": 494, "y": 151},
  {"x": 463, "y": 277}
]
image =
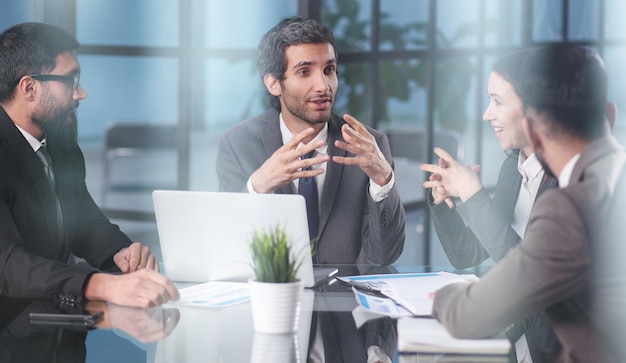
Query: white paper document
[
  {"x": 215, "y": 294},
  {"x": 379, "y": 305},
  {"x": 428, "y": 335},
  {"x": 410, "y": 291}
]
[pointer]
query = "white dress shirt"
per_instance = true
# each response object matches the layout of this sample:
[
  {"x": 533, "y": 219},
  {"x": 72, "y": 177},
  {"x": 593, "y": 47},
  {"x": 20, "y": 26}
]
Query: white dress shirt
[{"x": 532, "y": 175}]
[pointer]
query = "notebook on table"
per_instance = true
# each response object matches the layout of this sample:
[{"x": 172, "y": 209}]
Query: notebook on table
[{"x": 205, "y": 236}]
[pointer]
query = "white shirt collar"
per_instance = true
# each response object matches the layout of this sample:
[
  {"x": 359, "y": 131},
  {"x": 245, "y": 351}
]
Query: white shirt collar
[
  {"x": 529, "y": 167},
  {"x": 287, "y": 135},
  {"x": 34, "y": 143},
  {"x": 566, "y": 173}
]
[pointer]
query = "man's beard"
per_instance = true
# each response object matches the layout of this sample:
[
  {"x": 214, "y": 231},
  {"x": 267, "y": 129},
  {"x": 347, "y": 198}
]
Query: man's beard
[
  {"x": 299, "y": 109},
  {"x": 60, "y": 128}
]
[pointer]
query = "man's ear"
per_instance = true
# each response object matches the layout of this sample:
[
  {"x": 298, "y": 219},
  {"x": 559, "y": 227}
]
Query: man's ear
[
  {"x": 532, "y": 135},
  {"x": 272, "y": 85},
  {"x": 26, "y": 88}
]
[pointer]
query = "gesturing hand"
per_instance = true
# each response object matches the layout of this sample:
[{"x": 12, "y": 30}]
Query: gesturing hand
[
  {"x": 451, "y": 179},
  {"x": 285, "y": 165},
  {"x": 367, "y": 154}
]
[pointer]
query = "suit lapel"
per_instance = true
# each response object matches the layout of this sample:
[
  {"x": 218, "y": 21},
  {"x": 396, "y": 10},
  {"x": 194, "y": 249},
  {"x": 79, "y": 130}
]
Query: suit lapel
[
  {"x": 509, "y": 186},
  {"x": 21, "y": 151}
]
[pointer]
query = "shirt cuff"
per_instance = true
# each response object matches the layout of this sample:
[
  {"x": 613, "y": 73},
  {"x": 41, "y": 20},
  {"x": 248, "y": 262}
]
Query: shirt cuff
[
  {"x": 378, "y": 192},
  {"x": 249, "y": 187}
]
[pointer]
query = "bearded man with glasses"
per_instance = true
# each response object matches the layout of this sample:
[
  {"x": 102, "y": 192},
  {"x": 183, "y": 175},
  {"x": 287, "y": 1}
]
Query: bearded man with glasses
[{"x": 46, "y": 212}]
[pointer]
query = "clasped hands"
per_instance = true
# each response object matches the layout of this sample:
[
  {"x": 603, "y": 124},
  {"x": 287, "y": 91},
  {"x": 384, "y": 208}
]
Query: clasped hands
[
  {"x": 449, "y": 179},
  {"x": 140, "y": 285},
  {"x": 286, "y": 165}
]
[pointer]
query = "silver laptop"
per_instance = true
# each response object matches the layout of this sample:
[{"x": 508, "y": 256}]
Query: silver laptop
[{"x": 205, "y": 236}]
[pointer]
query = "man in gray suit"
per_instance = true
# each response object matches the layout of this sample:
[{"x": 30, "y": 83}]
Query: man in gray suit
[
  {"x": 360, "y": 218},
  {"x": 558, "y": 266}
]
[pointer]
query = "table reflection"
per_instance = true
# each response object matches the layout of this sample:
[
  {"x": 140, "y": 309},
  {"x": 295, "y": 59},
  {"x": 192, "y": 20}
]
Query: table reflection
[
  {"x": 23, "y": 341},
  {"x": 327, "y": 332}
]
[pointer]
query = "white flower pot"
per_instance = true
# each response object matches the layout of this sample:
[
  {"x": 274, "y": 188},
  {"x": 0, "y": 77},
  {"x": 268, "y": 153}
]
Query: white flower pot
[
  {"x": 274, "y": 348},
  {"x": 275, "y": 306}
]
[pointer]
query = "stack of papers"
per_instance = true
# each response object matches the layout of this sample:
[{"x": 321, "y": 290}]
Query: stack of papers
[
  {"x": 408, "y": 292},
  {"x": 429, "y": 336}
]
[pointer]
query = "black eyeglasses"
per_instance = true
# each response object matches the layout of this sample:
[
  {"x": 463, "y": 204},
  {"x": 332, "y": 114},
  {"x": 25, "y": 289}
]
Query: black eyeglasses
[{"x": 71, "y": 80}]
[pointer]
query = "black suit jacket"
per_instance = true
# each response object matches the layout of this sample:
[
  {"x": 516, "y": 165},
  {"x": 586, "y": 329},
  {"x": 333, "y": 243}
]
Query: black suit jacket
[
  {"x": 32, "y": 261},
  {"x": 353, "y": 227}
]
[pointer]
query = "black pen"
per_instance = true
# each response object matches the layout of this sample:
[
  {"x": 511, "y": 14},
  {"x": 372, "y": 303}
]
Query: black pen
[{"x": 365, "y": 288}]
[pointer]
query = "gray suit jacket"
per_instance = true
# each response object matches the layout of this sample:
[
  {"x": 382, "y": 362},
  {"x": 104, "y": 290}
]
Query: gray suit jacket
[
  {"x": 353, "y": 227},
  {"x": 551, "y": 269}
]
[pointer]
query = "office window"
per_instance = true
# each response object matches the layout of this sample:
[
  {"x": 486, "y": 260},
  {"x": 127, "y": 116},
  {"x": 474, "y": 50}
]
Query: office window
[
  {"x": 239, "y": 24},
  {"x": 614, "y": 26},
  {"x": 457, "y": 23},
  {"x": 502, "y": 23},
  {"x": 582, "y": 21},
  {"x": 15, "y": 12},
  {"x": 135, "y": 89},
  {"x": 403, "y": 24},
  {"x": 128, "y": 23},
  {"x": 350, "y": 21},
  {"x": 547, "y": 20}
]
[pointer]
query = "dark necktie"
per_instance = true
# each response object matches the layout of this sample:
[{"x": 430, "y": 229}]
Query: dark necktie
[
  {"x": 307, "y": 187},
  {"x": 43, "y": 155}
]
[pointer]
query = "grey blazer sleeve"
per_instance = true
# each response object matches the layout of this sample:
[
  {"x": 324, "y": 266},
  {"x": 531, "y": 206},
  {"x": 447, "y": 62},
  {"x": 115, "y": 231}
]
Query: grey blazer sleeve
[{"x": 384, "y": 221}]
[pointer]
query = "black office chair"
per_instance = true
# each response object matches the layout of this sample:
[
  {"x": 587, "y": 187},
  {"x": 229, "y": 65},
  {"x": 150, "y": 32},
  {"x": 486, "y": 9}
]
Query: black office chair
[
  {"x": 410, "y": 143},
  {"x": 149, "y": 153}
]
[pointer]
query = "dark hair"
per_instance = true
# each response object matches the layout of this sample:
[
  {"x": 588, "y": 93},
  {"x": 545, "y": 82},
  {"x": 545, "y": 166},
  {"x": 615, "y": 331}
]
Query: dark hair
[
  {"x": 509, "y": 67},
  {"x": 290, "y": 31},
  {"x": 567, "y": 83},
  {"x": 29, "y": 48}
]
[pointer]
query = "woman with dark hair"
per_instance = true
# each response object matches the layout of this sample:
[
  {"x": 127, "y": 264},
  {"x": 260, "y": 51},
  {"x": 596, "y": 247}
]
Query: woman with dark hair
[{"x": 482, "y": 227}]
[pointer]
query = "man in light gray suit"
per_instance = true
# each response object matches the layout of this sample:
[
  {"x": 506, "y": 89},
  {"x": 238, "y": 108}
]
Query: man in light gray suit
[
  {"x": 560, "y": 265},
  {"x": 359, "y": 217}
]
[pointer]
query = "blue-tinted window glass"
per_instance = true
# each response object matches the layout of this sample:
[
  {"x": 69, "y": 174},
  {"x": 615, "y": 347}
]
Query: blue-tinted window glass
[
  {"x": 234, "y": 92},
  {"x": 354, "y": 90},
  {"x": 457, "y": 23},
  {"x": 240, "y": 23},
  {"x": 403, "y": 24},
  {"x": 15, "y": 12},
  {"x": 126, "y": 88},
  {"x": 121, "y": 22},
  {"x": 583, "y": 20},
  {"x": 547, "y": 20},
  {"x": 454, "y": 93},
  {"x": 350, "y": 21},
  {"x": 403, "y": 89},
  {"x": 614, "y": 24},
  {"x": 503, "y": 23}
]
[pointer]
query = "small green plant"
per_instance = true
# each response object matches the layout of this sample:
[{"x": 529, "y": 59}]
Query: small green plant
[{"x": 272, "y": 257}]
